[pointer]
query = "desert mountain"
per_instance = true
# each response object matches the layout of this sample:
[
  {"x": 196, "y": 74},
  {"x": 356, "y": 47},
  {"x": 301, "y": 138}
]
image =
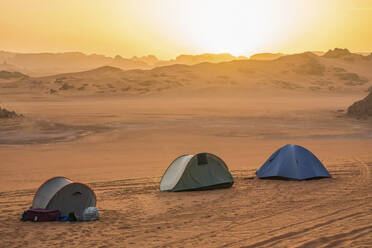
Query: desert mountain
[
  {"x": 149, "y": 59},
  {"x": 301, "y": 72},
  {"x": 42, "y": 64},
  {"x": 206, "y": 57},
  {"x": 345, "y": 54},
  {"x": 53, "y": 63},
  {"x": 272, "y": 56},
  {"x": 266, "y": 56}
]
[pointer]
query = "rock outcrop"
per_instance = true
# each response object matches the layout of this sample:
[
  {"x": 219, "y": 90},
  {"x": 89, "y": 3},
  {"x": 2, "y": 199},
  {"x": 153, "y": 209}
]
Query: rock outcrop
[
  {"x": 362, "y": 108},
  {"x": 4, "y": 113}
]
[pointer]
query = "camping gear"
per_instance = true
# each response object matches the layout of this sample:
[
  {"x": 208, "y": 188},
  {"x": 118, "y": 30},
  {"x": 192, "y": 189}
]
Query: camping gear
[
  {"x": 292, "y": 162},
  {"x": 63, "y": 218},
  {"x": 196, "y": 172},
  {"x": 40, "y": 215},
  {"x": 90, "y": 214},
  {"x": 64, "y": 195},
  {"x": 72, "y": 217}
]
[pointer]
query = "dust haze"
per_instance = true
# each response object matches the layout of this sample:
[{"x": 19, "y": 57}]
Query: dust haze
[{"x": 117, "y": 123}]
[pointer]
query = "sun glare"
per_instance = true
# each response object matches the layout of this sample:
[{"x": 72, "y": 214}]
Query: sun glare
[
  {"x": 168, "y": 28},
  {"x": 237, "y": 26}
]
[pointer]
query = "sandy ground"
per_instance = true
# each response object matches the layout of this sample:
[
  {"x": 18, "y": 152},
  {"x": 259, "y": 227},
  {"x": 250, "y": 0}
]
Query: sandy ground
[{"x": 121, "y": 146}]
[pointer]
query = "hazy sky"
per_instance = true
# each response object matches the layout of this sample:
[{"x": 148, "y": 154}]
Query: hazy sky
[{"x": 167, "y": 28}]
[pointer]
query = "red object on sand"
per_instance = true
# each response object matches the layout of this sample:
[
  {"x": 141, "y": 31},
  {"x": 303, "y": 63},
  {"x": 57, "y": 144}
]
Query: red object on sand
[{"x": 39, "y": 214}]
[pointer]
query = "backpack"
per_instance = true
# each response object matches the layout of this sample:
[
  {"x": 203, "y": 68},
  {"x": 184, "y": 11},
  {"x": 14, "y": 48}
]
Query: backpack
[{"x": 40, "y": 215}]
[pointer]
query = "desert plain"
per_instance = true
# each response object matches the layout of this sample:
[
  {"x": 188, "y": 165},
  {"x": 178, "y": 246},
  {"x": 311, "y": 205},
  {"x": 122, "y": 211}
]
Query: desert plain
[{"x": 118, "y": 130}]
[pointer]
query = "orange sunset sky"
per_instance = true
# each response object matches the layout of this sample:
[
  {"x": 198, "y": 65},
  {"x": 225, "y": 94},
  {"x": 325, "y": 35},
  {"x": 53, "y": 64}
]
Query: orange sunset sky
[{"x": 168, "y": 28}]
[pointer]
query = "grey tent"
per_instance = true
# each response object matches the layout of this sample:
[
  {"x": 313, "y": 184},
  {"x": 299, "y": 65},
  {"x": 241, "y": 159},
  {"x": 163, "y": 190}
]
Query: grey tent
[
  {"x": 196, "y": 172},
  {"x": 292, "y": 162},
  {"x": 62, "y": 194}
]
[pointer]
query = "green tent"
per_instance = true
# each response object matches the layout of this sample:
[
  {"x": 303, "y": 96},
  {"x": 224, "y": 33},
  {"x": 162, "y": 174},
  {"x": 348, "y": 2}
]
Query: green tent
[{"x": 196, "y": 172}]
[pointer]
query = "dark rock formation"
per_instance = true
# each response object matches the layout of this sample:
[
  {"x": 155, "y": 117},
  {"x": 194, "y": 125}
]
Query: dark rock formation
[
  {"x": 4, "y": 113},
  {"x": 337, "y": 53},
  {"x": 11, "y": 75},
  {"x": 362, "y": 108}
]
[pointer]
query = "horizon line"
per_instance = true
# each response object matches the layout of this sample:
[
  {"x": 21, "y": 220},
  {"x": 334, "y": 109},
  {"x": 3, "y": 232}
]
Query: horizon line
[{"x": 174, "y": 58}]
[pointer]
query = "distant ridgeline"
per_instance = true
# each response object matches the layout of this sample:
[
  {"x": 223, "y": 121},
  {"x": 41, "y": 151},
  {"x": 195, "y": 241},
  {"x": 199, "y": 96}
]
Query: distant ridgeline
[
  {"x": 362, "y": 108},
  {"x": 10, "y": 75},
  {"x": 45, "y": 64},
  {"x": 4, "y": 113}
]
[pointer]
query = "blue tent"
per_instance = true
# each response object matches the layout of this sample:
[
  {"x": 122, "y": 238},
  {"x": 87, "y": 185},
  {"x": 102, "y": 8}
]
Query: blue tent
[{"x": 292, "y": 162}]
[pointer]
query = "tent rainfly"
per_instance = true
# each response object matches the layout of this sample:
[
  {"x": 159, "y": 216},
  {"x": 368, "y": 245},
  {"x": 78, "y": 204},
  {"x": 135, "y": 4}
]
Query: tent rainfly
[
  {"x": 293, "y": 162},
  {"x": 196, "y": 172},
  {"x": 62, "y": 194}
]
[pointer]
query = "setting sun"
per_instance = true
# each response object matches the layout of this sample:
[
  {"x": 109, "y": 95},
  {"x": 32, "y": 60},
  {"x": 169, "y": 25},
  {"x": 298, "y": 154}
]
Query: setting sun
[
  {"x": 238, "y": 27},
  {"x": 167, "y": 28},
  {"x": 185, "y": 123}
]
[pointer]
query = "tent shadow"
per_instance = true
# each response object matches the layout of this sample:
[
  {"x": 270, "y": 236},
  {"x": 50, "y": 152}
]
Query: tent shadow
[
  {"x": 293, "y": 179},
  {"x": 212, "y": 187}
]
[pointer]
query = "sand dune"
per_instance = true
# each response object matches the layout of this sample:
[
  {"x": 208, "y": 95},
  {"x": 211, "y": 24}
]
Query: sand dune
[{"x": 301, "y": 72}]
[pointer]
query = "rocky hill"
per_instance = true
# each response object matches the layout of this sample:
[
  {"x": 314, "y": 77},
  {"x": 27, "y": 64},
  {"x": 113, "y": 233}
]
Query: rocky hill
[
  {"x": 11, "y": 75},
  {"x": 42, "y": 64},
  {"x": 302, "y": 72},
  {"x": 362, "y": 108}
]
